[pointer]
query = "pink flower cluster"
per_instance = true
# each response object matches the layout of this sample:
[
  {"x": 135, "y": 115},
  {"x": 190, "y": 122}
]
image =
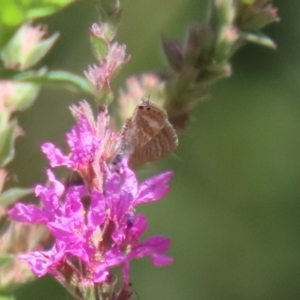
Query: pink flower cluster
[{"x": 95, "y": 226}]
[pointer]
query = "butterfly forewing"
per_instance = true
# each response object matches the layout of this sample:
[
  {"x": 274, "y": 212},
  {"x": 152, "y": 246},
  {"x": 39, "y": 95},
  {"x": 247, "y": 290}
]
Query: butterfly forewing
[
  {"x": 147, "y": 135},
  {"x": 146, "y": 122},
  {"x": 159, "y": 146}
]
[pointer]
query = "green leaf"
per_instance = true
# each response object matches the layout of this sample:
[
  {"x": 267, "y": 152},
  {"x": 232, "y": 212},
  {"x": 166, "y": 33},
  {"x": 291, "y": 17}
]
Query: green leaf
[
  {"x": 12, "y": 195},
  {"x": 10, "y": 13},
  {"x": 100, "y": 47},
  {"x": 14, "y": 13},
  {"x": 40, "y": 12},
  {"x": 39, "y": 51},
  {"x": 8, "y": 74},
  {"x": 15, "y": 55},
  {"x": 259, "y": 38},
  {"x": 56, "y": 79},
  {"x": 21, "y": 95},
  {"x": 249, "y": 2},
  {"x": 60, "y": 3},
  {"x": 7, "y": 138},
  {"x": 46, "y": 8}
]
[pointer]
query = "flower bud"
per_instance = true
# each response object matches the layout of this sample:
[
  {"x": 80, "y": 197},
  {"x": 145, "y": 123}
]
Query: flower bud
[{"x": 27, "y": 47}]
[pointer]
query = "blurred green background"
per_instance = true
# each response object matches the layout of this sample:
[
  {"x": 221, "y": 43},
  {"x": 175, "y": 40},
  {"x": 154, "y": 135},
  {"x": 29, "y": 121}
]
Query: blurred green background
[{"x": 233, "y": 211}]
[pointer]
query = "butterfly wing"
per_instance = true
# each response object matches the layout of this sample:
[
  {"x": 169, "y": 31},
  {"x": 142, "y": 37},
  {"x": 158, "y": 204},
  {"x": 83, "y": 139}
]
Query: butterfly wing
[
  {"x": 163, "y": 143},
  {"x": 146, "y": 122}
]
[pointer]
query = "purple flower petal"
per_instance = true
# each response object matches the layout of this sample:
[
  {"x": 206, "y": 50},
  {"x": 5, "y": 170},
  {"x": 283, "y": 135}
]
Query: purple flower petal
[
  {"x": 28, "y": 214},
  {"x": 112, "y": 189},
  {"x": 55, "y": 156},
  {"x": 97, "y": 213},
  {"x": 64, "y": 230},
  {"x": 100, "y": 276},
  {"x": 73, "y": 203},
  {"x": 161, "y": 260},
  {"x": 130, "y": 183},
  {"x": 125, "y": 271},
  {"x": 158, "y": 243},
  {"x": 154, "y": 188},
  {"x": 43, "y": 262},
  {"x": 83, "y": 143},
  {"x": 50, "y": 195},
  {"x": 140, "y": 225}
]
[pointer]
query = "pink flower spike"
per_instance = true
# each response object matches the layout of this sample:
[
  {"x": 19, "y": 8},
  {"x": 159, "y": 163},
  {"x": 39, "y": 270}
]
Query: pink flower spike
[
  {"x": 101, "y": 75},
  {"x": 116, "y": 56},
  {"x": 94, "y": 221}
]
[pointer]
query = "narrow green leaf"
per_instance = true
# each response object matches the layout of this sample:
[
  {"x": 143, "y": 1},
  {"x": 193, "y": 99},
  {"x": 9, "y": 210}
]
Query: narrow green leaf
[
  {"x": 259, "y": 38},
  {"x": 99, "y": 47},
  {"x": 6, "y": 74},
  {"x": 21, "y": 96},
  {"x": 249, "y": 2},
  {"x": 40, "y": 12},
  {"x": 16, "y": 54},
  {"x": 40, "y": 50},
  {"x": 12, "y": 195},
  {"x": 7, "y": 138},
  {"x": 57, "y": 79},
  {"x": 36, "y": 9},
  {"x": 60, "y": 3}
]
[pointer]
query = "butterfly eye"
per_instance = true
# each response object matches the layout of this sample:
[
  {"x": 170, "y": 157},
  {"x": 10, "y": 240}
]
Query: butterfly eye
[
  {"x": 148, "y": 108},
  {"x": 141, "y": 107}
]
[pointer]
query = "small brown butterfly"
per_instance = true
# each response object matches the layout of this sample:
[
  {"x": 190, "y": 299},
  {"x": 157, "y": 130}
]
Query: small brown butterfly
[{"x": 148, "y": 135}]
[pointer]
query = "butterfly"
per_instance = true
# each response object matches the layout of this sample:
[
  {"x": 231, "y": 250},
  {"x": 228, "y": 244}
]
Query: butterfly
[{"x": 147, "y": 135}]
